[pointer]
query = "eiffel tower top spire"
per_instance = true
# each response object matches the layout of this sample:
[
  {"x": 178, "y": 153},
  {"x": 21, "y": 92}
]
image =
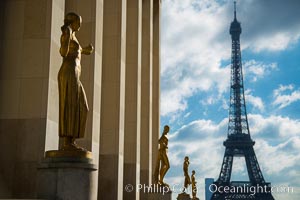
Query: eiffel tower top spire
[
  {"x": 235, "y": 27},
  {"x": 235, "y": 10}
]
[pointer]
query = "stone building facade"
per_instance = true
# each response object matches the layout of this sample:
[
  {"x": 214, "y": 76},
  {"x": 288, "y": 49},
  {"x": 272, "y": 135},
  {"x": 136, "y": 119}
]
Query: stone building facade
[{"x": 121, "y": 79}]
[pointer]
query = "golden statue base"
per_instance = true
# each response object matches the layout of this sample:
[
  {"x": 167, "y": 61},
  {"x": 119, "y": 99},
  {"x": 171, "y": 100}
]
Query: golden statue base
[
  {"x": 69, "y": 149},
  {"x": 184, "y": 196},
  {"x": 161, "y": 192},
  {"x": 68, "y": 154}
]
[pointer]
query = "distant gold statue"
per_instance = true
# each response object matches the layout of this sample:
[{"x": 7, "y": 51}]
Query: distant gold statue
[
  {"x": 194, "y": 186},
  {"x": 162, "y": 164},
  {"x": 187, "y": 180},
  {"x": 73, "y": 106}
]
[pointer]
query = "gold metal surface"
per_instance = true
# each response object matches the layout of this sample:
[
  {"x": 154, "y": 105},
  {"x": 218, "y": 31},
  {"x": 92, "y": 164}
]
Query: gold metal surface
[
  {"x": 73, "y": 106},
  {"x": 194, "y": 186},
  {"x": 68, "y": 154},
  {"x": 162, "y": 164},
  {"x": 187, "y": 180}
]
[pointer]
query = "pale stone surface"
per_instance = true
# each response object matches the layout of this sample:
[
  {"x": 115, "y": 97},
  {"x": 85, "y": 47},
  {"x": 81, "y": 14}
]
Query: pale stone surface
[
  {"x": 34, "y": 62},
  {"x": 156, "y": 81},
  {"x": 51, "y": 128},
  {"x": 146, "y": 94},
  {"x": 112, "y": 101},
  {"x": 53, "y": 59},
  {"x": 30, "y": 105},
  {"x": 9, "y": 98},
  {"x": 26, "y": 51},
  {"x": 13, "y": 47},
  {"x": 7, "y": 157},
  {"x": 66, "y": 180},
  {"x": 144, "y": 176},
  {"x": 14, "y": 10},
  {"x": 132, "y": 98}
]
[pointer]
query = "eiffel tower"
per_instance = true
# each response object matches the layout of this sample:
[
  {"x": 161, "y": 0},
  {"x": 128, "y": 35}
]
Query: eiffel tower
[{"x": 239, "y": 142}]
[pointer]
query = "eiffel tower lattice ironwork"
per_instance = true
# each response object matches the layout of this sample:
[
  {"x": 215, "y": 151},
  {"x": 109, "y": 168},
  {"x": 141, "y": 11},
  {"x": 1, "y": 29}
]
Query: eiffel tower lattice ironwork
[{"x": 239, "y": 142}]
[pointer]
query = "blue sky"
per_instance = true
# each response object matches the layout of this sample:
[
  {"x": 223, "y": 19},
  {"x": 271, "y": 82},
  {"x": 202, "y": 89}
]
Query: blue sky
[{"x": 195, "y": 75}]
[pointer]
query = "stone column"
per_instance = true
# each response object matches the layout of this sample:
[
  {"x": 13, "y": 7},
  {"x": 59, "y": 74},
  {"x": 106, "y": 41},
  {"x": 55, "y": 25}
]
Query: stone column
[
  {"x": 132, "y": 98},
  {"x": 146, "y": 101},
  {"x": 29, "y": 61},
  {"x": 112, "y": 101},
  {"x": 156, "y": 81}
]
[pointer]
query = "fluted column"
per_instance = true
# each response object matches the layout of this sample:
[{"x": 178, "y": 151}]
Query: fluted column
[
  {"x": 156, "y": 81},
  {"x": 112, "y": 101},
  {"x": 146, "y": 101},
  {"x": 133, "y": 97}
]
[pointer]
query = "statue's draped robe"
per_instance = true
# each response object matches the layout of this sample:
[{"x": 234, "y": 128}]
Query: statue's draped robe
[
  {"x": 187, "y": 179},
  {"x": 73, "y": 105}
]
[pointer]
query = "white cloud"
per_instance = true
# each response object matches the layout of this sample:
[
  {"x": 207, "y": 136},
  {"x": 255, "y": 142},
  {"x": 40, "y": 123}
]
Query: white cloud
[
  {"x": 255, "y": 70},
  {"x": 282, "y": 88},
  {"x": 187, "y": 115},
  {"x": 283, "y": 100},
  {"x": 191, "y": 64},
  {"x": 257, "y": 102},
  {"x": 273, "y": 127},
  {"x": 275, "y": 159},
  {"x": 277, "y": 42}
]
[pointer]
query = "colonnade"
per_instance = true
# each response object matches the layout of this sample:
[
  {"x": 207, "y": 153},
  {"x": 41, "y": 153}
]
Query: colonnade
[{"x": 121, "y": 79}]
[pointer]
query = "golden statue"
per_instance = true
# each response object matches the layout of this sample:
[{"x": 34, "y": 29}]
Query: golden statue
[
  {"x": 187, "y": 180},
  {"x": 162, "y": 164},
  {"x": 194, "y": 186},
  {"x": 73, "y": 106}
]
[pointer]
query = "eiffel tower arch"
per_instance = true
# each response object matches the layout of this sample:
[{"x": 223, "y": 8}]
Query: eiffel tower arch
[{"x": 239, "y": 142}]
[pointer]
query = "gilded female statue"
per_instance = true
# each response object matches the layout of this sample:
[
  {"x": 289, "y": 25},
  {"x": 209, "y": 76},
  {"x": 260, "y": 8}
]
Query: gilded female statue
[
  {"x": 194, "y": 186},
  {"x": 73, "y": 106},
  {"x": 187, "y": 180},
  {"x": 162, "y": 165}
]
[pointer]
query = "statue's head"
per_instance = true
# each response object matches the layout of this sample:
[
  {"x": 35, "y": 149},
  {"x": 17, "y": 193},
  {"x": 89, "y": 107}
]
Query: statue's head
[
  {"x": 166, "y": 129},
  {"x": 193, "y": 172},
  {"x": 73, "y": 20},
  {"x": 186, "y": 158}
]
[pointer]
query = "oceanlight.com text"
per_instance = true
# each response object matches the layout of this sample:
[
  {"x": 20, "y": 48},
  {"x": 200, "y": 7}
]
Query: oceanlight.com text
[{"x": 251, "y": 190}]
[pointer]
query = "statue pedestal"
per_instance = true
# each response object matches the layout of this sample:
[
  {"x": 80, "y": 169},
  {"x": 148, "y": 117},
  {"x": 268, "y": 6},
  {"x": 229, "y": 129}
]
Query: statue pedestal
[
  {"x": 184, "y": 196},
  {"x": 160, "y": 193},
  {"x": 160, "y": 196},
  {"x": 66, "y": 178}
]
